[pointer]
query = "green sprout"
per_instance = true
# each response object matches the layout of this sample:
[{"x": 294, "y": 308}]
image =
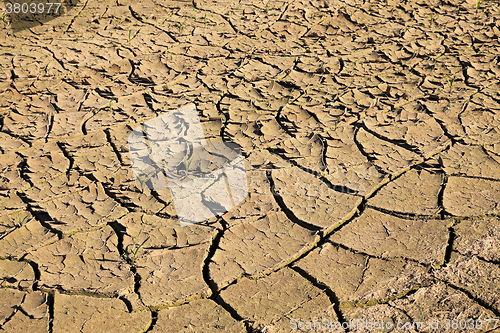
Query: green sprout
[
  {"x": 336, "y": 123},
  {"x": 141, "y": 181},
  {"x": 180, "y": 26},
  {"x": 129, "y": 34},
  {"x": 450, "y": 80},
  {"x": 433, "y": 19},
  {"x": 21, "y": 221},
  {"x": 131, "y": 257},
  {"x": 187, "y": 163},
  {"x": 478, "y": 3}
]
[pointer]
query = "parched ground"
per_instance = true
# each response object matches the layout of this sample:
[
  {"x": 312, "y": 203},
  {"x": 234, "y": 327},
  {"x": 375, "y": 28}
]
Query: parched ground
[{"x": 371, "y": 137}]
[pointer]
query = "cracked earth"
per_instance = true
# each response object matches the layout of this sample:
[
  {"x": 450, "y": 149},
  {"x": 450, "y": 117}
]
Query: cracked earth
[{"x": 371, "y": 137}]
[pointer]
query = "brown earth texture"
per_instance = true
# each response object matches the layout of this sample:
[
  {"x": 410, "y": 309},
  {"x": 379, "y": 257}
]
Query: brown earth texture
[{"x": 370, "y": 132}]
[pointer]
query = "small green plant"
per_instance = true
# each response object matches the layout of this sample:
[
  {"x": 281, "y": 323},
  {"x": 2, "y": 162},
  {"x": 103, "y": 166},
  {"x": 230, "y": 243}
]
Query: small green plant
[
  {"x": 131, "y": 257},
  {"x": 180, "y": 26},
  {"x": 141, "y": 181},
  {"x": 478, "y": 3},
  {"x": 452, "y": 79},
  {"x": 187, "y": 163},
  {"x": 21, "y": 221},
  {"x": 433, "y": 19},
  {"x": 336, "y": 123},
  {"x": 129, "y": 34}
]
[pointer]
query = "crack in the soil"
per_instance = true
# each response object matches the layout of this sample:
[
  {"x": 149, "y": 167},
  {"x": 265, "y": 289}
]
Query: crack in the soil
[
  {"x": 291, "y": 216},
  {"x": 211, "y": 284},
  {"x": 6, "y": 320},
  {"x": 49, "y": 126},
  {"x": 358, "y": 144},
  {"x": 469, "y": 295},
  {"x": 401, "y": 215},
  {"x": 51, "y": 305},
  {"x": 399, "y": 143},
  {"x": 494, "y": 262},
  {"x": 439, "y": 122},
  {"x": 473, "y": 177},
  {"x": 440, "y": 198},
  {"x": 338, "y": 188},
  {"x": 22, "y": 169},
  {"x": 154, "y": 319},
  {"x": 347, "y": 248},
  {"x": 75, "y": 17},
  {"x": 322, "y": 286},
  {"x": 40, "y": 215},
  {"x": 68, "y": 156},
  {"x": 449, "y": 247},
  {"x": 112, "y": 144},
  {"x": 138, "y": 18}
]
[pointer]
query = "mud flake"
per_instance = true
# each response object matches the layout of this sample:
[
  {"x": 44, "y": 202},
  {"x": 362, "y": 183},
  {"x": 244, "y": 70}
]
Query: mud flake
[
  {"x": 471, "y": 197},
  {"x": 203, "y": 315},
  {"x": 470, "y": 161},
  {"x": 88, "y": 209},
  {"x": 58, "y": 186},
  {"x": 44, "y": 162},
  {"x": 74, "y": 313},
  {"x": 356, "y": 278},
  {"x": 361, "y": 179},
  {"x": 16, "y": 274},
  {"x": 386, "y": 236},
  {"x": 277, "y": 298},
  {"x": 440, "y": 302},
  {"x": 173, "y": 276},
  {"x": 312, "y": 200},
  {"x": 254, "y": 248},
  {"x": 34, "y": 316},
  {"x": 10, "y": 172},
  {"x": 480, "y": 278},
  {"x": 257, "y": 203},
  {"x": 25, "y": 239},
  {"x": 479, "y": 237},
  {"x": 87, "y": 262},
  {"x": 415, "y": 192},
  {"x": 9, "y": 143},
  {"x": 387, "y": 156}
]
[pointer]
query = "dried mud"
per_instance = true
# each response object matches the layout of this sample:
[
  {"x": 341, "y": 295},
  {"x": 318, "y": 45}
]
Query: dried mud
[{"x": 370, "y": 132}]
